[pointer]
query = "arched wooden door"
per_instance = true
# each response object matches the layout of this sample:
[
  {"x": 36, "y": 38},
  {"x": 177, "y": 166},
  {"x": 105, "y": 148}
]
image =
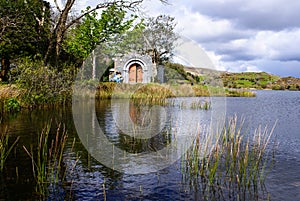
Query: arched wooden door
[{"x": 135, "y": 73}]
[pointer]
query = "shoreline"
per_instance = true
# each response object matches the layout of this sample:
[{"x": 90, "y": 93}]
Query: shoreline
[{"x": 13, "y": 98}]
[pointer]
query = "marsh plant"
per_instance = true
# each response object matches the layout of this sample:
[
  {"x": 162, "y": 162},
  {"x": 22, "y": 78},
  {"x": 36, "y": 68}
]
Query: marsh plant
[
  {"x": 47, "y": 159},
  {"x": 205, "y": 105},
  {"x": 5, "y": 148},
  {"x": 233, "y": 167}
]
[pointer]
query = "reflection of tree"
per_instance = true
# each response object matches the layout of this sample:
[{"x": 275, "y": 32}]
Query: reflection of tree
[
  {"x": 142, "y": 116},
  {"x": 133, "y": 145},
  {"x": 139, "y": 114},
  {"x": 88, "y": 168}
]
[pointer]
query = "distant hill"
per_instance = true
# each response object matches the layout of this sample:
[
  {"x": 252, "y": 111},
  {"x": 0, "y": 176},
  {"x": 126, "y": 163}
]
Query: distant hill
[{"x": 248, "y": 80}]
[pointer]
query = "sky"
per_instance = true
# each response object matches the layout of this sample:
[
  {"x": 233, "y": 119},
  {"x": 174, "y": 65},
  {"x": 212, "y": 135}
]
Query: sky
[{"x": 238, "y": 35}]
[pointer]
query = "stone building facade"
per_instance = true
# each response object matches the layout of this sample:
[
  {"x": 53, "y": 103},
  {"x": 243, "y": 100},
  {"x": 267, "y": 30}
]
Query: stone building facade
[{"x": 136, "y": 68}]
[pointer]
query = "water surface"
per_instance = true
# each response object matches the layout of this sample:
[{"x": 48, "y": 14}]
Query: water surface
[{"x": 93, "y": 181}]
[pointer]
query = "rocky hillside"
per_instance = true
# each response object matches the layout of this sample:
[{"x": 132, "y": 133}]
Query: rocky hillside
[
  {"x": 260, "y": 80},
  {"x": 245, "y": 80},
  {"x": 289, "y": 83}
]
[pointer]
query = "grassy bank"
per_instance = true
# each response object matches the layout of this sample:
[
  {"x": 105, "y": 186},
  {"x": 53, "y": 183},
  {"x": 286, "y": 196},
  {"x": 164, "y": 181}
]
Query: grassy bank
[
  {"x": 162, "y": 91},
  {"x": 15, "y": 97},
  {"x": 34, "y": 85}
]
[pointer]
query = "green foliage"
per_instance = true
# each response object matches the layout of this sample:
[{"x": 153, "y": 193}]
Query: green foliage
[
  {"x": 259, "y": 80},
  {"x": 43, "y": 85},
  {"x": 277, "y": 87},
  {"x": 160, "y": 38},
  {"x": 130, "y": 41},
  {"x": 12, "y": 105},
  {"x": 21, "y": 33},
  {"x": 154, "y": 36},
  {"x": 25, "y": 28},
  {"x": 93, "y": 31},
  {"x": 176, "y": 72},
  {"x": 239, "y": 93}
]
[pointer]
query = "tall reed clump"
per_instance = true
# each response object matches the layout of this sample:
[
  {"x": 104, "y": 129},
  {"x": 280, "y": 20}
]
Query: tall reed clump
[
  {"x": 47, "y": 164},
  {"x": 152, "y": 94},
  {"x": 105, "y": 90},
  {"x": 233, "y": 165},
  {"x": 205, "y": 105},
  {"x": 5, "y": 148}
]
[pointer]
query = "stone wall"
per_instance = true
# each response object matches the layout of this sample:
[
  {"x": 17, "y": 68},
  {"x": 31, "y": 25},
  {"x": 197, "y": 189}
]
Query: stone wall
[{"x": 122, "y": 64}]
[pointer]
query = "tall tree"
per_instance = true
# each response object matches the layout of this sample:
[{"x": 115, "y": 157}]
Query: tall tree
[
  {"x": 154, "y": 36},
  {"x": 160, "y": 38},
  {"x": 64, "y": 23},
  {"x": 24, "y": 29},
  {"x": 83, "y": 39}
]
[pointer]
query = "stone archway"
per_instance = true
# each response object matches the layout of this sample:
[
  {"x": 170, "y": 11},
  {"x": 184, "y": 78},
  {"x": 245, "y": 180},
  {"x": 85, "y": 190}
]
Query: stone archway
[
  {"x": 135, "y": 68},
  {"x": 135, "y": 72}
]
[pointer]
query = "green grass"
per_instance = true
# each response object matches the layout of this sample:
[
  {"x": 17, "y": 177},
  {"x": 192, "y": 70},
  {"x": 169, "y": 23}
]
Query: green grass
[
  {"x": 234, "y": 165},
  {"x": 259, "y": 80},
  {"x": 47, "y": 159},
  {"x": 14, "y": 98},
  {"x": 239, "y": 93},
  {"x": 5, "y": 148}
]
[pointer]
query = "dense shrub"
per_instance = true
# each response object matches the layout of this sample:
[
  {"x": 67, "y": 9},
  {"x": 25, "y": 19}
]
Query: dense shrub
[{"x": 43, "y": 84}]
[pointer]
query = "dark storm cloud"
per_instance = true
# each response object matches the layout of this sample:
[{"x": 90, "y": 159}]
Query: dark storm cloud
[
  {"x": 253, "y": 35},
  {"x": 252, "y": 14},
  {"x": 222, "y": 37}
]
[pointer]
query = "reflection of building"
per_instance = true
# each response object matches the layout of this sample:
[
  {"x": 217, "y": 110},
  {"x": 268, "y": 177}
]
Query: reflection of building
[{"x": 136, "y": 68}]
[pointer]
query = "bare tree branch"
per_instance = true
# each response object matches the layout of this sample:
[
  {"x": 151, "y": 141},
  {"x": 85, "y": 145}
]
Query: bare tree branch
[
  {"x": 57, "y": 6},
  {"x": 125, "y": 4},
  {"x": 42, "y": 20}
]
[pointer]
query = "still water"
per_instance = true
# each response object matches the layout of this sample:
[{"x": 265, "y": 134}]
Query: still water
[{"x": 91, "y": 180}]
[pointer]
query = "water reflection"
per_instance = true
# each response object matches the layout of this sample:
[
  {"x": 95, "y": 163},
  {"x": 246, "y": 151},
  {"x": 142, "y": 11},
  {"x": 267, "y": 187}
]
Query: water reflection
[
  {"x": 91, "y": 180},
  {"x": 116, "y": 140},
  {"x": 139, "y": 114},
  {"x": 111, "y": 116}
]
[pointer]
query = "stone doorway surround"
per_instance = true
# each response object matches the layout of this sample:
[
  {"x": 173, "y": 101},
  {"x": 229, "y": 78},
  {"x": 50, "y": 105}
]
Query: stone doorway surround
[{"x": 135, "y": 68}]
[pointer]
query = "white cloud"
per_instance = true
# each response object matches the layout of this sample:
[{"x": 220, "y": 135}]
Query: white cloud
[
  {"x": 216, "y": 60},
  {"x": 283, "y": 45},
  {"x": 201, "y": 27},
  {"x": 238, "y": 35}
]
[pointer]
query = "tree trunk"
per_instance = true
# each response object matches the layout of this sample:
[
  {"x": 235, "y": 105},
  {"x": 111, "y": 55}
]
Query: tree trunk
[
  {"x": 57, "y": 37},
  {"x": 5, "y": 65},
  {"x": 94, "y": 65}
]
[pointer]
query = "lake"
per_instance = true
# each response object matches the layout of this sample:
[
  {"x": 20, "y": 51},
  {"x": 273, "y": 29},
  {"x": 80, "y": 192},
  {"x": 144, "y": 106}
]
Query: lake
[{"x": 91, "y": 180}]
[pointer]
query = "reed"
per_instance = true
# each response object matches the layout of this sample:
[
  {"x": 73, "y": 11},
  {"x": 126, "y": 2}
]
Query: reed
[
  {"x": 31, "y": 92},
  {"x": 205, "y": 105},
  {"x": 5, "y": 148},
  {"x": 47, "y": 164},
  {"x": 235, "y": 166}
]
